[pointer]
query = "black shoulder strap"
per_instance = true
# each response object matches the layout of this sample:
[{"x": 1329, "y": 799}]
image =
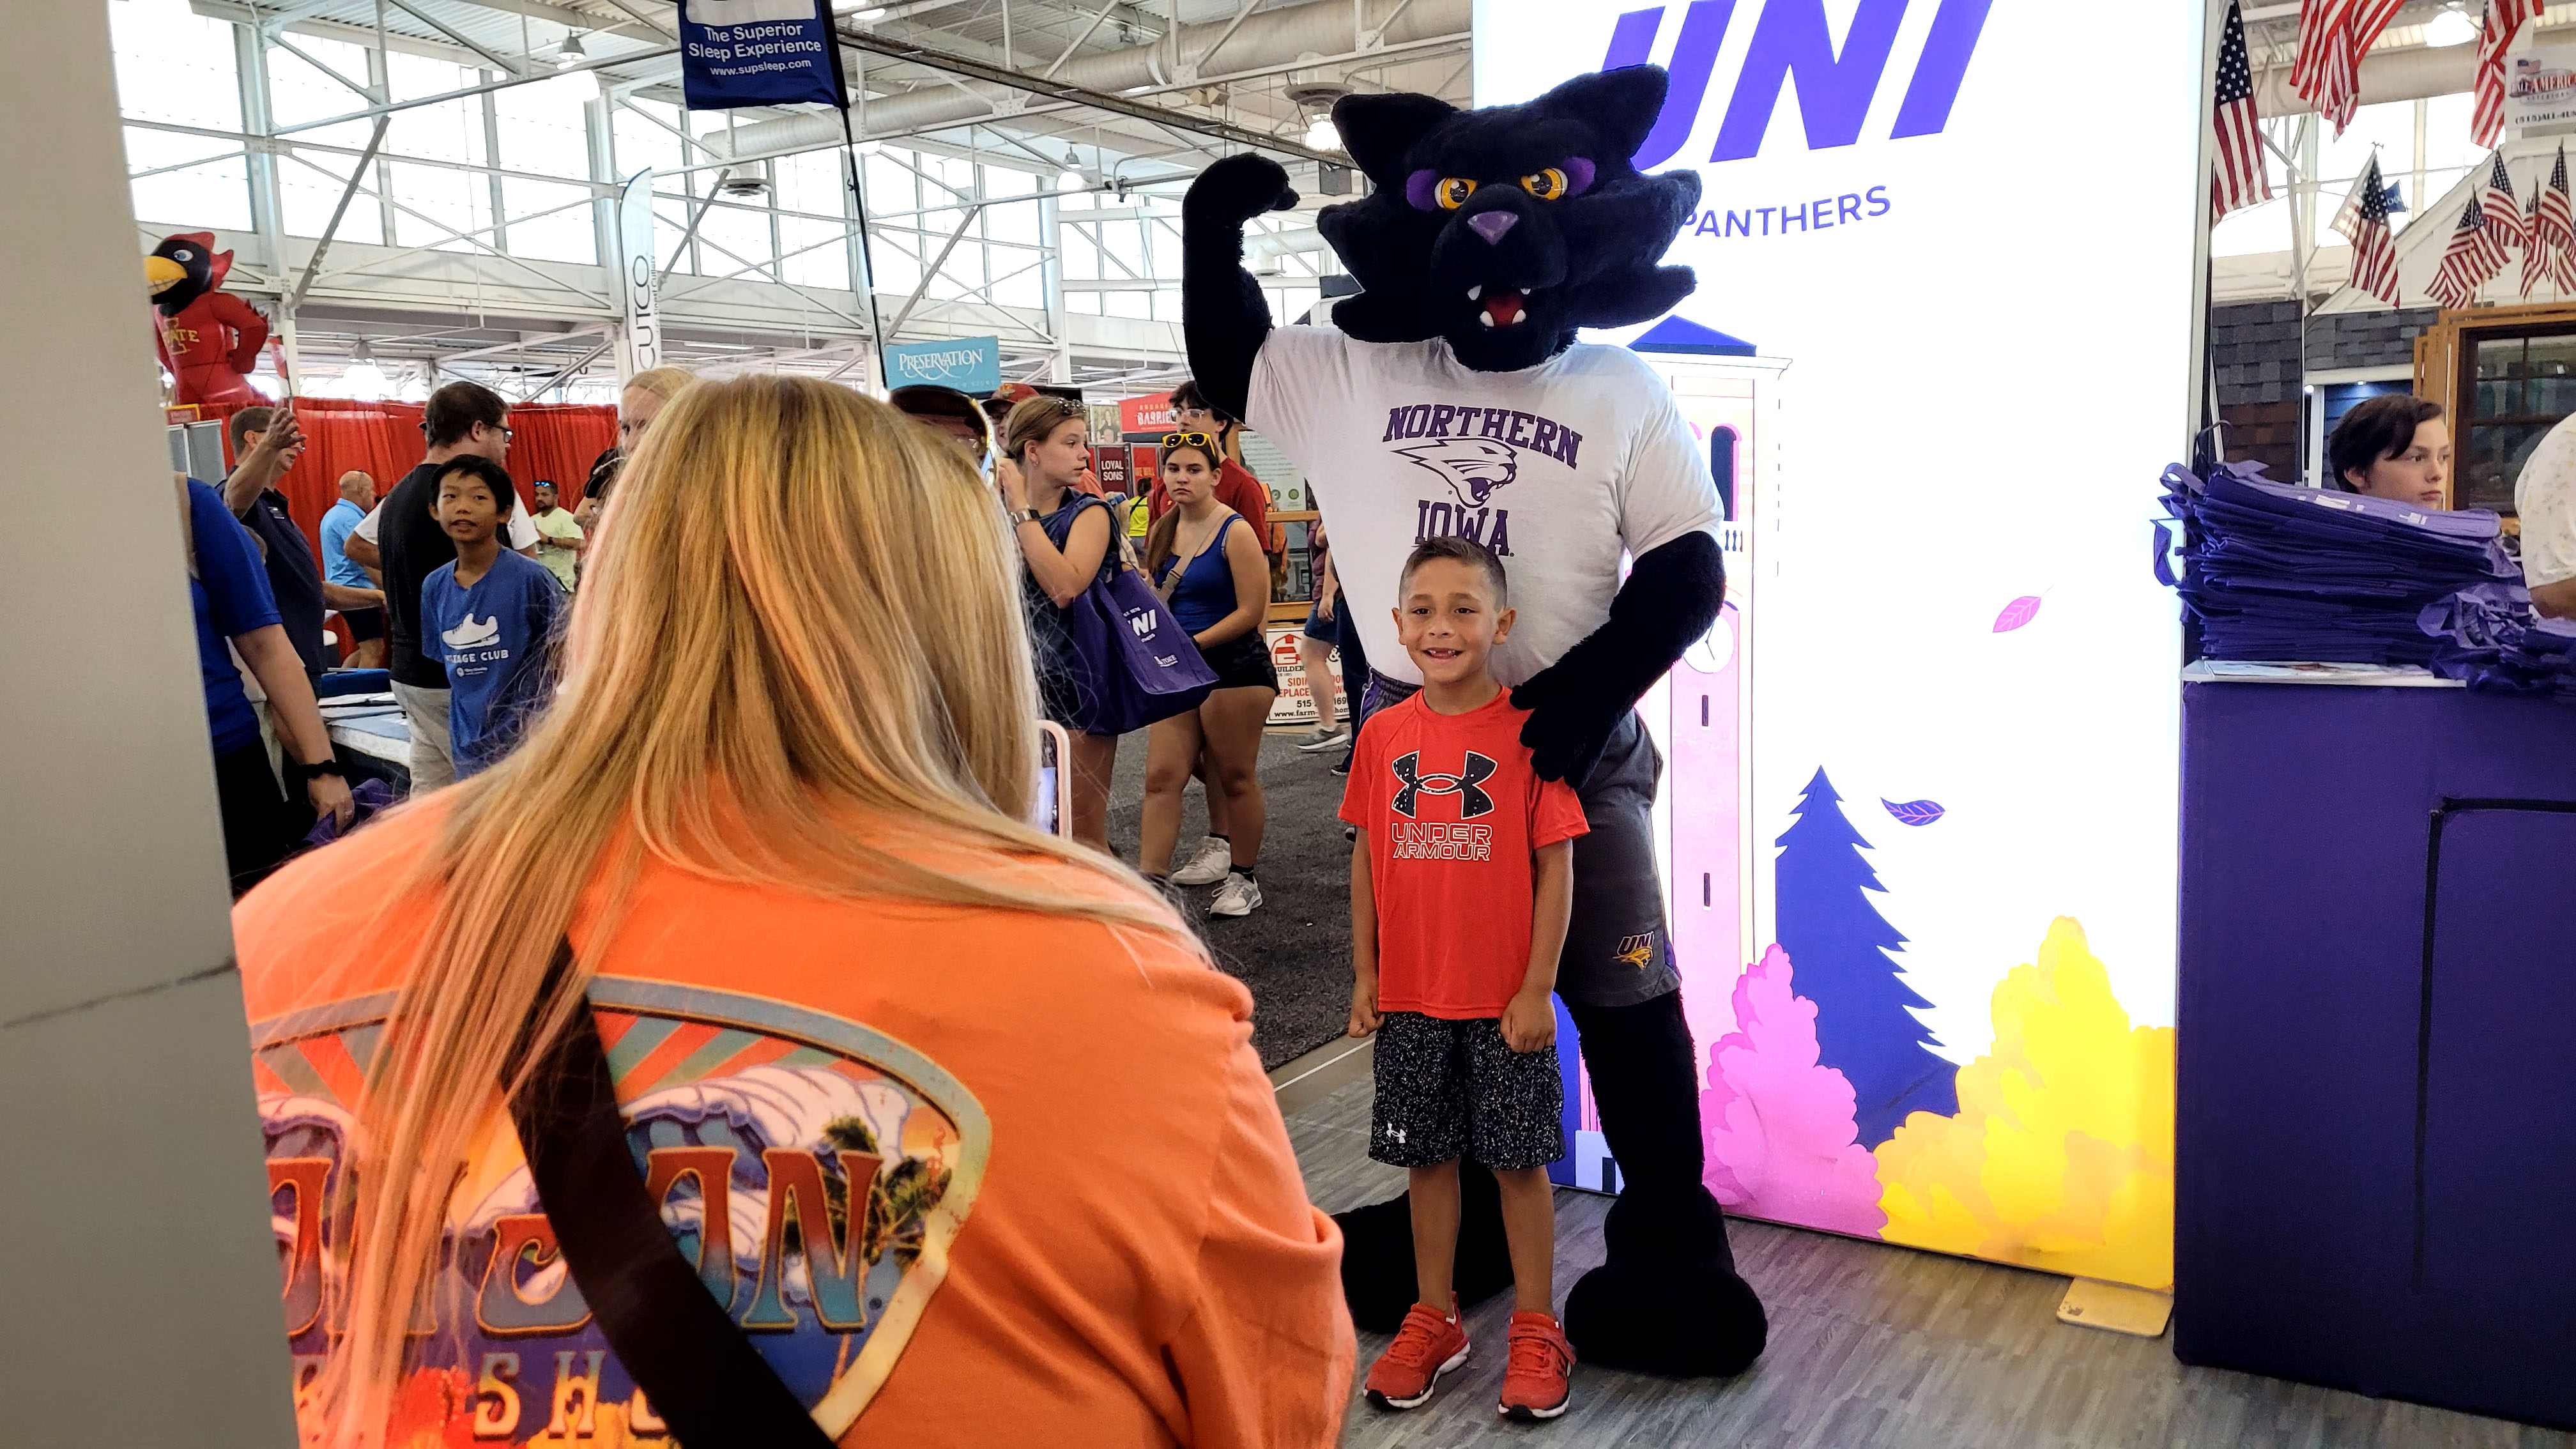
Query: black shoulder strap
[{"x": 701, "y": 1374}]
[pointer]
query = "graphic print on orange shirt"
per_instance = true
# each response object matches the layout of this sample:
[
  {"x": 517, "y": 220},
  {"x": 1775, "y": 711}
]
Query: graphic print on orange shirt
[
  {"x": 1453, "y": 811},
  {"x": 814, "y": 1170}
]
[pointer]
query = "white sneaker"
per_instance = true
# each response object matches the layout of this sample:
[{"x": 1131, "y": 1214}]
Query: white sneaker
[
  {"x": 1208, "y": 866},
  {"x": 1323, "y": 737},
  {"x": 1239, "y": 896}
]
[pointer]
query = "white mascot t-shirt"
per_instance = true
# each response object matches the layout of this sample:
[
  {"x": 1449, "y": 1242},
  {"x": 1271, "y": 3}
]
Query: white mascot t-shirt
[{"x": 1559, "y": 469}]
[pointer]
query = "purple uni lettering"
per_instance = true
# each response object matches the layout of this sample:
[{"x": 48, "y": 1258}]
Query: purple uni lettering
[{"x": 1792, "y": 38}]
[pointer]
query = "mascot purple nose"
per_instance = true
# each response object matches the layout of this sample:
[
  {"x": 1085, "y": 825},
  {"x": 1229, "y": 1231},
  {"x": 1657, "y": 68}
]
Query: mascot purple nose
[{"x": 1451, "y": 397}]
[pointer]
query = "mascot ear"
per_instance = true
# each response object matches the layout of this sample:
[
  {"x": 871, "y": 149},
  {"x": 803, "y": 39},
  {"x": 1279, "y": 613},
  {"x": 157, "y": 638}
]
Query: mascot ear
[
  {"x": 1378, "y": 130},
  {"x": 1619, "y": 105}
]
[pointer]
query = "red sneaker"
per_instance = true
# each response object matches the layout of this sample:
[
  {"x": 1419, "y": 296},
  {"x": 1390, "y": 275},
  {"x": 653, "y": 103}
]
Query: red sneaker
[
  {"x": 1428, "y": 1345},
  {"x": 1534, "y": 1373}
]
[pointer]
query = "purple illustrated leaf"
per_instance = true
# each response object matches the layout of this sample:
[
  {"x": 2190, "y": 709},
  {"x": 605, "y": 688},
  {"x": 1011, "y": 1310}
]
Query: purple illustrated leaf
[
  {"x": 2017, "y": 613},
  {"x": 1913, "y": 812}
]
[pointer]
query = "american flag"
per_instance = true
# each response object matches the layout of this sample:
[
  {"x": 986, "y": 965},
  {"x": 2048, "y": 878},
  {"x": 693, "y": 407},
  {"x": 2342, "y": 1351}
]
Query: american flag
[
  {"x": 2364, "y": 223},
  {"x": 2241, "y": 178},
  {"x": 2475, "y": 254},
  {"x": 2496, "y": 199},
  {"x": 2536, "y": 256},
  {"x": 2333, "y": 37},
  {"x": 2504, "y": 20},
  {"x": 2553, "y": 228}
]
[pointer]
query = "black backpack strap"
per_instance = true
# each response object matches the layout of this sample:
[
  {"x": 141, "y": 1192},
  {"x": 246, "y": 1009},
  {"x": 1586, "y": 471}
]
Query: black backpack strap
[{"x": 683, "y": 1349}]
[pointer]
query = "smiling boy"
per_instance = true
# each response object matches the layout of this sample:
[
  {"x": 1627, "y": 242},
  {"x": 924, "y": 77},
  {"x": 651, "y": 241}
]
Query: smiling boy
[
  {"x": 488, "y": 616},
  {"x": 1462, "y": 879}
]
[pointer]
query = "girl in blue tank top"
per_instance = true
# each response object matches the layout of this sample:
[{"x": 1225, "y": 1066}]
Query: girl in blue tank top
[{"x": 1217, "y": 581}]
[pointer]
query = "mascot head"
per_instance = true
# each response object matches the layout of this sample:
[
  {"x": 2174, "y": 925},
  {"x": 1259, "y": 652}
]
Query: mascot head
[
  {"x": 1505, "y": 229},
  {"x": 183, "y": 268}
]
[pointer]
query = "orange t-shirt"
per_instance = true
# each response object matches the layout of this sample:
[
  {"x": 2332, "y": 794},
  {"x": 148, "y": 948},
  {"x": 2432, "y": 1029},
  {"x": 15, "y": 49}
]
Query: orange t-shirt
[
  {"x": 1453, "y": 811},
  {"x": 1085, "y": 1225}
]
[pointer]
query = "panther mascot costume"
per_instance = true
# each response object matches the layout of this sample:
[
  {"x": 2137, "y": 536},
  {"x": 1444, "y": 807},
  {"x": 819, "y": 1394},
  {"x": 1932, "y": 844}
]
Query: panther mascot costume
[{"x": 1451, "y": 397}]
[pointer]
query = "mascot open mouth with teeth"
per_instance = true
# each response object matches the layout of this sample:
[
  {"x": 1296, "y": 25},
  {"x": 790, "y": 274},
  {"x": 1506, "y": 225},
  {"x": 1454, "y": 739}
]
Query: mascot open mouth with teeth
[{"x": 1450, "y": 397}]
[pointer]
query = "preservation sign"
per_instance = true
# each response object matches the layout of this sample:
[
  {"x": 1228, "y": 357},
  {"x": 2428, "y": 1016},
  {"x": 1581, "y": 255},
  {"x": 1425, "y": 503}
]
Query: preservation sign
[{"x": 972, "y": 365}]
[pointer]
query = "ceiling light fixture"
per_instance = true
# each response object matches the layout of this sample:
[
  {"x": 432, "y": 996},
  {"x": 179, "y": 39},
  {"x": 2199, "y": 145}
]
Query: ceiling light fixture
[
  {"x": 1071, "y": 178},
  {"x": 2451, "y": 27},
  {"x": 571, "y": 54},
  {"x": 1316, "y": 103},
  {"x": 364, "y": 380}
]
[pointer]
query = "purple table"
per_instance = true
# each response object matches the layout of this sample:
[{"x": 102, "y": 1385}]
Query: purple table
[{"x": 2376, "y": 1125}]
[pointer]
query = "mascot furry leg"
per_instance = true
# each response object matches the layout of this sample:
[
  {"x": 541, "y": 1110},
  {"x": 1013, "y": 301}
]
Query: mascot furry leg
[{"x": 1489, "y": 238}]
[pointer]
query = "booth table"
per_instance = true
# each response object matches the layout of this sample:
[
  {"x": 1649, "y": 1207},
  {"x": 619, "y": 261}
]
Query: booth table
[{"x": 2376, "y": 1119}]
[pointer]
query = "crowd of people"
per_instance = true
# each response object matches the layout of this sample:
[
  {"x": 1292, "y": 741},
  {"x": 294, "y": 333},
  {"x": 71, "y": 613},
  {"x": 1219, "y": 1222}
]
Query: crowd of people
[{"x": 804, "y": 729}]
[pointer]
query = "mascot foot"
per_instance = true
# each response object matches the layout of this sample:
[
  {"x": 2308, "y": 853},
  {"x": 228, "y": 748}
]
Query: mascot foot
[
  {"x": 1378, "y": 1280},
  {"x": 1666, "y": 1319}
]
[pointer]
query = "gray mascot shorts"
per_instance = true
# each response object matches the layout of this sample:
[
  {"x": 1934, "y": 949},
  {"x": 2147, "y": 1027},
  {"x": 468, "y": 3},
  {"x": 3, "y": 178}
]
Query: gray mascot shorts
[{"x": 1617, "y": 949}]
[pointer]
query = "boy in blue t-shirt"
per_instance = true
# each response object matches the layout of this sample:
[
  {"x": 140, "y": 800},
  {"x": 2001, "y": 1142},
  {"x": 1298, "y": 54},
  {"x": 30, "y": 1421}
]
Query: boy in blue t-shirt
[{"x": 489, "y": 616}]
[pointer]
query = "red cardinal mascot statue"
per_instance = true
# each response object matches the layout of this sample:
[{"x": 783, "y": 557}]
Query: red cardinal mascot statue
[{"x": 208, "y": 338}]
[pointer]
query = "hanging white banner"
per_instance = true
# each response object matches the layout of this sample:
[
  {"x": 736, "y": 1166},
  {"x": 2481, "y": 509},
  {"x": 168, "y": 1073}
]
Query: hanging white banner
[{"x": 639, "y": 340}]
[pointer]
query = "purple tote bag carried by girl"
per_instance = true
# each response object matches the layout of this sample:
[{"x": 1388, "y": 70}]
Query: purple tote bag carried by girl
[{"x": 1132, "y": 663}]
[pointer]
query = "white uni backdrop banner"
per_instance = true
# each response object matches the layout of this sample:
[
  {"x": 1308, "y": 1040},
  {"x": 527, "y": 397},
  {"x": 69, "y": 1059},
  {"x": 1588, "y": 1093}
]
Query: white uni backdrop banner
[{"x": 1967, "y": 229}]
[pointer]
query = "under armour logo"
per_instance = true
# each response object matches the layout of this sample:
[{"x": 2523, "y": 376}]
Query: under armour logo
[{"x": 1472, "y": 801}]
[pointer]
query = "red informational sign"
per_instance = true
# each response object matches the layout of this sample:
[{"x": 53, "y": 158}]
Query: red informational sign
[
  {"x": 1110, "y": 466},
  {"x": 1146, "y": 414}
]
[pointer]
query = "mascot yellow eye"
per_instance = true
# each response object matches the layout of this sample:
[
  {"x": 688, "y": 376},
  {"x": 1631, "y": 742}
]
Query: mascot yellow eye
[
  {"x": 1546, "y": 185},
  {"x": 1453, "y": 191}
]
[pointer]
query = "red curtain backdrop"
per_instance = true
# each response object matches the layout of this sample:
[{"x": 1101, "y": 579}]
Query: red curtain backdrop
[{"x": 550, "y": 442}]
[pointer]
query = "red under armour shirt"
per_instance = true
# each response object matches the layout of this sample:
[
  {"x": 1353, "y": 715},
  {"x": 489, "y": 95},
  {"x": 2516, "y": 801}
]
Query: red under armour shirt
[{"x": 1453, "y": 811}]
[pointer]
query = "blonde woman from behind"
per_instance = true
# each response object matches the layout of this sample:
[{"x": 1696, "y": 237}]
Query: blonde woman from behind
[{"x": 952, "y": 1116}]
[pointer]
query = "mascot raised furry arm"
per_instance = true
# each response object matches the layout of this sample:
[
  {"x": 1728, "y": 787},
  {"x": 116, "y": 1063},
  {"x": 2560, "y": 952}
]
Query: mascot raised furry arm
[{"x": 1451, "y": 397}]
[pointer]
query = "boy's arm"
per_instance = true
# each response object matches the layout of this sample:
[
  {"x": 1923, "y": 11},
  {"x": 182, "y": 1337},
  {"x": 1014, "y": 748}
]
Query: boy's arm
[
  {"x": 1364, "y": 1015},
  {"x": 1529, "y": 1021}
]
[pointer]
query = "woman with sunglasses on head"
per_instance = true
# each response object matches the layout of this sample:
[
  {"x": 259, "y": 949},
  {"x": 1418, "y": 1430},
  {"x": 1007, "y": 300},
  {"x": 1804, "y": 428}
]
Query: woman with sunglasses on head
[
  {"x": 1064, "y": 538},
  {"x": 1207, "y": 563}
]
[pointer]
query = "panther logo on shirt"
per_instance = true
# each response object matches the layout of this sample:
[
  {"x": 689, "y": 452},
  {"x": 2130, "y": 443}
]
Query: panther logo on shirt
[
  {"x": 1635, "y": 950},
  {"x": 1472, "y": 467},
  {"x": 1472, "y": 801}
]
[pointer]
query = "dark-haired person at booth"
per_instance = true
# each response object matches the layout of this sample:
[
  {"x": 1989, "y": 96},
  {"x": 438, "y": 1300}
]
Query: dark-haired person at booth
[
  {"x": 1213, "y": 575},
  {"x": 2392, "y": 446},
  {"x": 266, "y": 442},
  {"x": 490, "y": 614},
  {"x": 404, "y": 543},
  {"x": 228, "y": 590},
  {"x": 1236, "y": 487}
]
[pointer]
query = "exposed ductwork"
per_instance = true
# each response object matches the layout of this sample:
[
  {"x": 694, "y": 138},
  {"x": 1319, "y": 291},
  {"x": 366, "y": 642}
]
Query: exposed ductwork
[
  {"x": 1265, "y": 38},
  {"x": 2396, "y": 75}
]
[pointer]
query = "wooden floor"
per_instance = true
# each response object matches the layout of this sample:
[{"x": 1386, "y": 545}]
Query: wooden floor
[{"x": 1870, "y": 1345}]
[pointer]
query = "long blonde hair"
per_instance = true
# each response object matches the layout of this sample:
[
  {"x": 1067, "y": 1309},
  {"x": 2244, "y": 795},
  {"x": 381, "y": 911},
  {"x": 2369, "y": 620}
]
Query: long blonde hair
[{"x": 809, "y": 613}]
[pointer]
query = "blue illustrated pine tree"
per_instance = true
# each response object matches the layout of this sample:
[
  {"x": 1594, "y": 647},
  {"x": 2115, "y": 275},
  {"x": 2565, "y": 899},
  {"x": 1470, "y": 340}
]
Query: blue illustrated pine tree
[{"x": 1841, "y": 944}]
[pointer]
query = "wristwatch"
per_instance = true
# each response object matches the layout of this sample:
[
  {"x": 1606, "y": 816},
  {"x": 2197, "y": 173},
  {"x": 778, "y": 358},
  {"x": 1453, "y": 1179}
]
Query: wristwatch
[
  {"x": 1025, "y": 515},
  {"x": 302, "y": 773}
]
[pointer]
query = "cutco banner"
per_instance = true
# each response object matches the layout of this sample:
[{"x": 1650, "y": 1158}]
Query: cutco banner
[
  {"x": 757, "y": 53},
  {"x": 968, "y": 364},
  {"x": 1947, "y": 1018}
]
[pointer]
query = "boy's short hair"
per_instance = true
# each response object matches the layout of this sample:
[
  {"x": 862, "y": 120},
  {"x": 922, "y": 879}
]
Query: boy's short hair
[
  {"x": 248, "y": 421},
  {"x": 1187, "y": 395},
  {"x": 492, "y": 475},
  {"x": 450, "y": 415},
  {"x": 1464, "y": 550}
]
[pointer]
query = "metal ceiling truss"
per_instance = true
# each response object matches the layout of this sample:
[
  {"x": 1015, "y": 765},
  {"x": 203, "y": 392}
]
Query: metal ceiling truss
[{"x": 1019, "y": 63}]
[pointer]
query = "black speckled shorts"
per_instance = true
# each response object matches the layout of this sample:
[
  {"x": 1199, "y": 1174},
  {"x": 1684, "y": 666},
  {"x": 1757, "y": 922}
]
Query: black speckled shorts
[{"x": 1452, "y": 1088}]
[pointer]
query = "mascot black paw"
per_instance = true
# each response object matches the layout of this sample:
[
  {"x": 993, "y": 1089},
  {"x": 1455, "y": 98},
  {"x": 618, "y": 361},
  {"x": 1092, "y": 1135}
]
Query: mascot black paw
[
  {"x": 1377, "y": 1253},
  {"x": 1669, "y": 1300}
]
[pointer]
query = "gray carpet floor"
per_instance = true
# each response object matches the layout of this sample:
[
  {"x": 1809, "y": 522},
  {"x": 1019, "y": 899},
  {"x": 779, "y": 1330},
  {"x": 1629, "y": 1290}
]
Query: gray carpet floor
[
  {"x": 1872, "y": 1347},
  {"x": 1295, "y": 951}
]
